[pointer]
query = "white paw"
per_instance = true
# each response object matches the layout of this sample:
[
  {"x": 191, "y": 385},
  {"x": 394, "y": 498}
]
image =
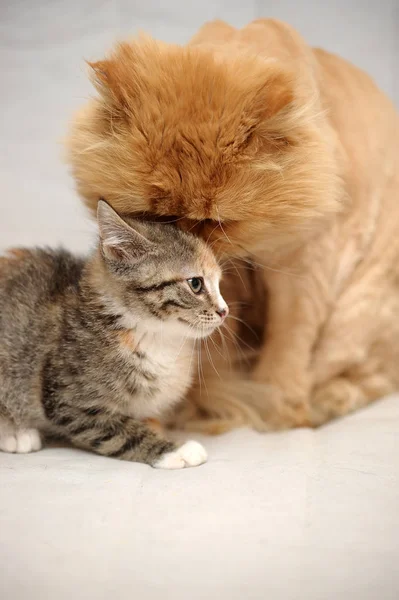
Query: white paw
[
  {"x": 8, "y": 442},
  {"x": 21, "y": 441},
  {"x": 191, "y": 454}
]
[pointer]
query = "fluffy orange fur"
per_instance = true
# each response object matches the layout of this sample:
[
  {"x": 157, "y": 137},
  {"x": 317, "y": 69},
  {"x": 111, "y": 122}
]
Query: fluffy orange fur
[{"x": 285, "y": 158}]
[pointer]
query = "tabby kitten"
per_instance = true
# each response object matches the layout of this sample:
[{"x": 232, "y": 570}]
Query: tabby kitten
[{"x": 91, "y": 349}]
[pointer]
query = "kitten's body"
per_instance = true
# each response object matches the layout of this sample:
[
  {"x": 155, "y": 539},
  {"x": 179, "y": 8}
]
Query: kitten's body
[{"x": 80, "y": 358}]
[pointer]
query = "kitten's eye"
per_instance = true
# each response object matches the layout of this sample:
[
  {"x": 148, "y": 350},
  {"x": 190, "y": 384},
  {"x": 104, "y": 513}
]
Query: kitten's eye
[{"x": 196, "y": 284}]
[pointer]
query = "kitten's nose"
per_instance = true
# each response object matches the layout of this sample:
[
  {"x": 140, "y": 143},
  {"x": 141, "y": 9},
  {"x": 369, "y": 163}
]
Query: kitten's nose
[{"x": 223, "y": 312}]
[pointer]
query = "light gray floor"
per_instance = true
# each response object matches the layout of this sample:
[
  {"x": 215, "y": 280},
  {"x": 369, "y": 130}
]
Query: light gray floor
[{"x": 299, "y": 515}]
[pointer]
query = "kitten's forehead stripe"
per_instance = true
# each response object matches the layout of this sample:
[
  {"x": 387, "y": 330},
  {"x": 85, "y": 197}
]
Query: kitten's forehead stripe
[
  {"x": 174, "y": 303},
  {"x": 158, "y": 286}
]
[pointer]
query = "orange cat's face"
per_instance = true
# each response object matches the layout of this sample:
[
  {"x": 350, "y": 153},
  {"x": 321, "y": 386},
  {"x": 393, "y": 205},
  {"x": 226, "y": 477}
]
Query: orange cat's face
[{"x": 216, "y": 142}]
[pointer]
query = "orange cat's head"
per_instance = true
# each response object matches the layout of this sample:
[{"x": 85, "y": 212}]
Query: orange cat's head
[{"x": 222, "y": 143}]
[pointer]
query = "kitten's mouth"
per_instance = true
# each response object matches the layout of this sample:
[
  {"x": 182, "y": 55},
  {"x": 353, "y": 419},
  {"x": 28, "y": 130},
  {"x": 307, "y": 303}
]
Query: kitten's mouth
[
  {"x": 206, "y": 329},
  {"x": 200, "y": 330}
]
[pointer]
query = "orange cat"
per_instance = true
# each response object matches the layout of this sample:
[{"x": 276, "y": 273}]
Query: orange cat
[{"x": 281, "y": 156}]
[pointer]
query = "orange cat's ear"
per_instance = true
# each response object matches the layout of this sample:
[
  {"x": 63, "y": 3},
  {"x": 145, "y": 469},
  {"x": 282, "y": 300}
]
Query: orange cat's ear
[
  {"x": 277, "y": 94},
  {"x": 274, "y": 94},
  {"x": 104, "y": 75},
  {"x": 118, "y": 78},
  {"x": 101, "y": 72}
]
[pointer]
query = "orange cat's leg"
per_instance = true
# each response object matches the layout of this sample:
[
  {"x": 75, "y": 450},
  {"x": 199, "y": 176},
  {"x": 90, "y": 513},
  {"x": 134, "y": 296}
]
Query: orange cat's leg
[
  {"x": 299, "y": 297},
  {"x": 355, "y": 361},
  {"x": 334, "y": 331},
  {"x": 347, "y": 393}
]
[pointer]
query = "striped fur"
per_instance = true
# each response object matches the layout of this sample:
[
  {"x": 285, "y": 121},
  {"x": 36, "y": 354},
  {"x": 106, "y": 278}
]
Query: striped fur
[{"x": 91, "y": 348}]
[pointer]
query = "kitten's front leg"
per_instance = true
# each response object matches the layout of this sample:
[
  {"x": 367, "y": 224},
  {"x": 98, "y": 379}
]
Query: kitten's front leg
[{"x": 123, "y": 437}]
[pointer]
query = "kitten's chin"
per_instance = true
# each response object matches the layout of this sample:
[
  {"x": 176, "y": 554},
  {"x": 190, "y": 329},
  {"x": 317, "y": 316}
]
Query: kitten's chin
[
  {"x": 188, "y": 330},
  {"x": 204, "y": 331}
]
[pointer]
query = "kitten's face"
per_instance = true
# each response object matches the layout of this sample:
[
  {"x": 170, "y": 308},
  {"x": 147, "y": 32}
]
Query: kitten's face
[{"x": 161, "y": 275}]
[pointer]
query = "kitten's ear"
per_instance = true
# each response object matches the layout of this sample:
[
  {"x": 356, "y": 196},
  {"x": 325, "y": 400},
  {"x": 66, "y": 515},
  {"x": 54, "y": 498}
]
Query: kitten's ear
[{"x": 119, "y": 241}]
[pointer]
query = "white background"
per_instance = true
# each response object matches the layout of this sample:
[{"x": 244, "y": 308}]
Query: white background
[{"x": 300, "y": 515}]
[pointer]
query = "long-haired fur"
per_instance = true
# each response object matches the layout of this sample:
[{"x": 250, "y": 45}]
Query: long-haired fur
[{"x": 269, "y": 150}]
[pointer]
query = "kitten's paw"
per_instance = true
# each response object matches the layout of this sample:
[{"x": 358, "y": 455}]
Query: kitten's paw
[
  {"x": 8, "y": 442},
  {"x": 21, "y": 441},
  {"x": 191, "y": 454},
  {"x": 28, "y": 440}
]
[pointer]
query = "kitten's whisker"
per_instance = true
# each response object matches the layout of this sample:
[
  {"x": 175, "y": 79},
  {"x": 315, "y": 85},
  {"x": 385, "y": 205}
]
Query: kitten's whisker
[
  {"x": 202, "y": 370},
  {"x": 226, "y": 355},
  {"x": 193, "y": 351},
  {"x": 215, "y": 241},
  {"x": 207, "y": 241},
  {"x": 251, "y": 262},
  {"x": 244, "y": 323},
  {"x": 239, "y": 350},
  {"x": 171, "y": 221},
  {"x": 184, "y": 341},
  {"x": 194, "y": 225},
  {"x": 222, "y": 228},
  {"x": 238, "y": 273},
  {"x": 216, "y": 346},
  {"x": 238, "y": 303},
  {"x": 238, "y": 337},
  {"x": 230, "y": 242},
  {"x": 210, "y": 358},
  {"x": 224, "y": 345},
  {"x": 199, "y": 367}
]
